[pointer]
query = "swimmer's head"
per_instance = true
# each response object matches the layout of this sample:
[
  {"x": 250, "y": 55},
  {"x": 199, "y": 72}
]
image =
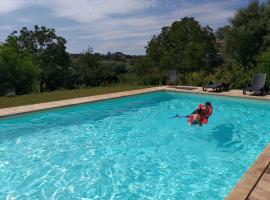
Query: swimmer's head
[{"x": 208, "y": 104}]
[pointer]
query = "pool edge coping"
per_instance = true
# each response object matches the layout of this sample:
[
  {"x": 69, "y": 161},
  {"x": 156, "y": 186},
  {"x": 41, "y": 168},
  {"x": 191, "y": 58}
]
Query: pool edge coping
[
  {"x": 249, "y": 180},
  {"x": 199, "y": 90}
]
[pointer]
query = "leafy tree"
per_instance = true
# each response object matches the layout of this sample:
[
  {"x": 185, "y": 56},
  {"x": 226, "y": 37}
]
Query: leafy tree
[
  {"x": 157, "y": 46},
  {"x": 185, "y": 45},
  {"x": 221, "y": 32},
  {"x": 18, "y": 71},
  {"x": 120, "y": 68},
  {"x": 86, "y": 67},
  {"x": 264, "y": 64},
  {"x": 249, "y": 34},
  {"x": 48, "y": 50},
  {"x": 91, "y": 72}
]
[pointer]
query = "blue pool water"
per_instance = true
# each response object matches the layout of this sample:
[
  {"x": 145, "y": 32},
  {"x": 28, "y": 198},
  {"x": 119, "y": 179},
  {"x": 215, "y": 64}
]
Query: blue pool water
[{"x": 131, "y": 148}]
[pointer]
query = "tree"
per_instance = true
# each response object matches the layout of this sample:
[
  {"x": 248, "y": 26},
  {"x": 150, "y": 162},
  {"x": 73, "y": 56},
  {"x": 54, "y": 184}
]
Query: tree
[
  {"x": 249, "y": 34},
  {"x": 221, "y": 32},
  {"x": 48, "y": 50},
  {"x": 91, "y": 72},
  {"x": 185, "y": 45},
  {"x": 86, "y": 67},
  {"x": 18, "y": 71},
  {"x": 264, "y": 64}
]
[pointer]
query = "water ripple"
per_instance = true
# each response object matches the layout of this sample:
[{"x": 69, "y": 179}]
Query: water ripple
[{"x": 131, "y": 148}]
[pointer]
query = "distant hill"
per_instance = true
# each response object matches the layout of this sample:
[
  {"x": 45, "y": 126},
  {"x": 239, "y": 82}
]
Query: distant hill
[{"x": 116, "y": 56}]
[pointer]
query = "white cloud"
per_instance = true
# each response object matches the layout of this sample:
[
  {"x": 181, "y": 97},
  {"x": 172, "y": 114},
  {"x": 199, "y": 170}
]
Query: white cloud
[
  {"x": 8, "y": 6},
  {"x": 103, "y": 35},
  {"x": 81, "y": 10},
  {"x": 106, "y": 21},
  {"x": 131, "y": 30},
  {"x": 25, "y": 20},
  {"x": 124, "y": 25},
  {"x": 91, "y": 10},
  {"x": 132, "y": 33},
  {"x": 208, "y": 13}
]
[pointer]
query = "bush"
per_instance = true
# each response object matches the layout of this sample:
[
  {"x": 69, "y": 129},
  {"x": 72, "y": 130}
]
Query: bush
[
  {"x": 18, "y": 71},
  {"x": 236, "y": 76},
  {"x": 194, "y": 78}
]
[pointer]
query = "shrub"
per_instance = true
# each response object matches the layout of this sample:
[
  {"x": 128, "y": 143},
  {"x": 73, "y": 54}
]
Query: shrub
[{"x": 18, "y": 71}]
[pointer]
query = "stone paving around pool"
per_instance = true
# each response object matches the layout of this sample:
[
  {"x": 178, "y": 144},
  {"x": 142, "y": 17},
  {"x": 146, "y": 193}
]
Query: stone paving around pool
[
  {"x": 230, "y": 93},
  {"x": 254, "y": 184}
]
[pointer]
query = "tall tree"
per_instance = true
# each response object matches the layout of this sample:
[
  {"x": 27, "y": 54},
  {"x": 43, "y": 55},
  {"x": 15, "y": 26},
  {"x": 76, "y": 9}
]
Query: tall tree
[
  {"x": 185, "y": 45},
  {"x": 49, "y": 51},
  {"x": 249, "y": 34}
]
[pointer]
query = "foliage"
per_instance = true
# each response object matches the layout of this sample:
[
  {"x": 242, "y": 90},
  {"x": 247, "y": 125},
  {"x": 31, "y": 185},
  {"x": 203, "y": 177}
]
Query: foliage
[
  {"x": 85, "y": 66},
  {"x": 264, "y": 64},
  {"x": 185, "y": 46},
  {"x": 38, "y": 57},
  {"x": 91, "y": 72},
  {"x": 246, "y": 50},
  {"x": 235, "y": 76},
  {"x": 48, "y": 50},
  {"x": 18, "y": 71},
  {"x": 249, "y": 34},
  {"x": 221, "y": 32},
  {"x": 117, "y": 70},
  {"x": 146, "y": 74}
]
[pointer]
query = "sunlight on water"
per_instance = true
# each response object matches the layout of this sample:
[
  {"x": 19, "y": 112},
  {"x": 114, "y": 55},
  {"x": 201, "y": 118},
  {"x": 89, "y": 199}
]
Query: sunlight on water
[{"x": 131, "y": 148}]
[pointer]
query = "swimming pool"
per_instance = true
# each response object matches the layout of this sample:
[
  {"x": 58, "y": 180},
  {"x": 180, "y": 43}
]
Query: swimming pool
[{"x": 131, "y": 148}]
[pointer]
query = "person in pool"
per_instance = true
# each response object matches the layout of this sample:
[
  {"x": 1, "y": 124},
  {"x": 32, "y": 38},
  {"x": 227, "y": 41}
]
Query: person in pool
[{"x": 201, "y": 114}]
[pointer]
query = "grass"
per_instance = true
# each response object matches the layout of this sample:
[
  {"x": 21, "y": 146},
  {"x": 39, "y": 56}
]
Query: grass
[{"x": 6, "y": 102}]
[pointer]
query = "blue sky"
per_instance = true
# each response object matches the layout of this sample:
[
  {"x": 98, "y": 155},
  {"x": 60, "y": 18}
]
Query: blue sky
[{"x": 111, "y": 25}]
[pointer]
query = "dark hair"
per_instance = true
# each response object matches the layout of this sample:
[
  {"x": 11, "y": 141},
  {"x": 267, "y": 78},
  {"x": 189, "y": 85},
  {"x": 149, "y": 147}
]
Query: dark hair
[{"x": 208, "y": 103}]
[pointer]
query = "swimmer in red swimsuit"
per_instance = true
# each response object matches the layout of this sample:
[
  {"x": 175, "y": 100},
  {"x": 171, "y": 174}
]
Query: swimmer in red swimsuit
[{"x": 201, "y": 114}]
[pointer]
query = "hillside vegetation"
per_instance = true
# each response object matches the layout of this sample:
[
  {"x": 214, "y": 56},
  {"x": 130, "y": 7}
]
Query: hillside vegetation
[{"x": 37, "y": 61}]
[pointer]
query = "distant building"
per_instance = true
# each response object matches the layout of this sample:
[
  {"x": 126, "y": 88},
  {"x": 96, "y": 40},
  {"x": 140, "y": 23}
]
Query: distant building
[{"x": 117, "y": 55}]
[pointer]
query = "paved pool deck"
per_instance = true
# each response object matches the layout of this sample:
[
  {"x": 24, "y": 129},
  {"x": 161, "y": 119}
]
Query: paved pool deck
[
  {"x": 253, "y": 185},
  {"x": 230, "y": 93}
]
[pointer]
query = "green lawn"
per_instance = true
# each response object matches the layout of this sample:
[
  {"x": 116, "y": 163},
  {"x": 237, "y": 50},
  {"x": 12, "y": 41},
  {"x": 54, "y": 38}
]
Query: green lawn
[{"x": 61, "y": 94}]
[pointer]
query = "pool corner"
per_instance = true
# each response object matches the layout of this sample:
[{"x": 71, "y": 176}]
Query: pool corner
[{"x": 254, "y": 184}]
